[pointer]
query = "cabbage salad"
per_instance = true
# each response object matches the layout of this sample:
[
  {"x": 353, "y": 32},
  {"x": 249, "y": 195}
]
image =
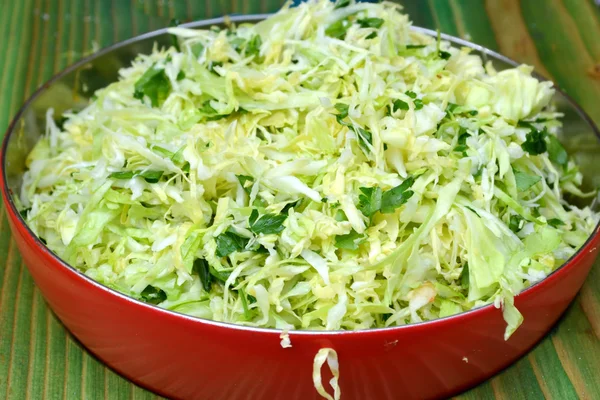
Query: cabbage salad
[{"x": 327, "y": 168}]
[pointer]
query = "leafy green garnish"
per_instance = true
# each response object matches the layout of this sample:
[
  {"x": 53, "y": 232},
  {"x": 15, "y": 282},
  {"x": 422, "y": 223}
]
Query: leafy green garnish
[
  {"x": 174, "y": 40},
  {"x": 462, "y": 142},
  {"x": 364, "y": 137},
  {"x": 444, "y": 55},
  {"x": 515, "y": 221},
  {"x": 464, "y": 276},
  {"x": 556, "y": 152},
  {"x": 342, "y": 111},
  {"x": 153, "y": 295},
  {"x": 244, "y": 300},
  {"x": 338, "y": 28},
  {"x": 155, "y": 84},
  {"x": 24, "y": 212},
  {"x": 150, "y": 176},
  {"x": 525, "y": 181},
  {"x": 246, "y": 182},
  {"x": 267, "y": 223},
  {"x": 229, "y": 242},
  {"x": 535, "y": 142},
  {"x": 399, "y": 105},
  {"x": 555, "y": 222},
  {"x": 201, "y": 268},
  {"x": 253, "y": 46},
  {"x": 394, "y": 198},
  {"x": 372, "y": 199},
  {"x": 197, "y": 49},
  {"x": 341, "y": 4},
  {"x": 415, "y": 46},
  {"x": 350, "y": 241},
  {"x": 370, "y": 23},
  {"x": 369, "y": 202}
]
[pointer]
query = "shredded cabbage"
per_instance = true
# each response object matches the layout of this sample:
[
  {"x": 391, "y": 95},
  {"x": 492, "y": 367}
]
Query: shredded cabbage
[
  {"x": 330, "y": 356},
  {"x": 327, "y": 168}
]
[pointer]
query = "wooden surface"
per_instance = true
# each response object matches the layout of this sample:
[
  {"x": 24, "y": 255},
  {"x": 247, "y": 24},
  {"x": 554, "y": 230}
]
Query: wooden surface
[{"x": 39, "y": 359}]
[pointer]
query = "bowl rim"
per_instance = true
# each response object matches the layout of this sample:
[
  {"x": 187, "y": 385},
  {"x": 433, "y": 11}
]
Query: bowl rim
[{"x": 254, "y": 18}]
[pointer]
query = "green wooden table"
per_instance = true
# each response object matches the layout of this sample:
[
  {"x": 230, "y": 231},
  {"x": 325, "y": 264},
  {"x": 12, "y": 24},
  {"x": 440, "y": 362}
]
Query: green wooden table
[{"x": 38, "y": 357}]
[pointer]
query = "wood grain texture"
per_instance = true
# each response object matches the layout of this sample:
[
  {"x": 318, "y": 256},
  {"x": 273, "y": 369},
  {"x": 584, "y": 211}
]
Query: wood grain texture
[{"x": 40, "y": 360}]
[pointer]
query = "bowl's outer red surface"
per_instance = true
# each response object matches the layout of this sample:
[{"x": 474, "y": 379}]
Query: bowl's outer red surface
[{"x": 188, "y": 358}]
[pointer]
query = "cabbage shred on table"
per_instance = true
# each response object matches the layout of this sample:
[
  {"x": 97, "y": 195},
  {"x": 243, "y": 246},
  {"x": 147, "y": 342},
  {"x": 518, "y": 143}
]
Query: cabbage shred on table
[{"x": 327, "y": 168}]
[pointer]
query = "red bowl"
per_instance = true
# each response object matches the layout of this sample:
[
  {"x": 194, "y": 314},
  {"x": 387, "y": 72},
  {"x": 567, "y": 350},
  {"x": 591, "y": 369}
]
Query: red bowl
[{"x": 186, "y": 357}]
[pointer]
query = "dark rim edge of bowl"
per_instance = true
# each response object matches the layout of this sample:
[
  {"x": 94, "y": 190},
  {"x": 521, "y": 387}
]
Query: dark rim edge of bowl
[{"x": 254, "y": 18}]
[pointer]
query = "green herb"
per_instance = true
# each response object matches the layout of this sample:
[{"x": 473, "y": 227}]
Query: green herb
[
  {"x": 464, "y": 277},
  {"x": 411, "y": 94},
  {"x": 418, "y": 104},
  {"x": 556, "y": 152},
  {"x": 150, "y": 176},
  {"x": 338, "y": 28},
  {"x": 525, "y": 181},
  {"x": 229, "y": 242},
  {"x": 180, "y": 75},
  {"x": 351, "y": 241},
  {"x": 206, "y": 108},
  {"x": 535, "y": 142},
  {"x": 253, "y": 217},
  {"x": 247, "y": 313},
  {"x": 268, "y": 223},
  {"x": 415, "y": 46},
  {"x": 122, "y": 174},
  {"x": 341, "y": 4},
  {"x": 286, "y": 209},
  {"x": 394, "y": 198},
  {"x": 162, "y": 151},
  {"x": 462, "y": 148},
  {"x": 153, "y": 295},
  {"x": 174, "y": 23},
  {"x": 364, "y": 137},
  {"x": 342, "y": 110},
  {"x": 155, "y": 84},
  {"x": 253, "y": 46},
  {"x": 221, "y": 276},
  {"x": 246, "y": 182},
  {"x": 24, "y": 212},
  {"x": 369, "y": 201},
  {"x": 370, "y": 23},
  {"x": 203, "y": 271},
  {"x": 555, "y": 222},
  {"x": 371, "y": 35},
  {"x": 237, "y": 43},
  {"x": 340, "y": 216},
  {"x": 197, "y": 49},
  {"x": 177, "y": 158},
  {"x": 462, "y": 142},
  {"x": 444, "y": 55},
  {"x": 399, "y": 105},
  {"x": 515, "y": 221}
]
